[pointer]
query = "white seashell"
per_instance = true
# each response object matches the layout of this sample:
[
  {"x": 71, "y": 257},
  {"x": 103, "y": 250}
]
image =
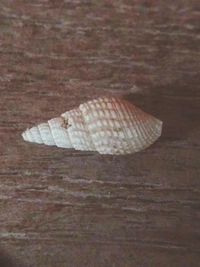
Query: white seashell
[{"x": 107, "y": 125}]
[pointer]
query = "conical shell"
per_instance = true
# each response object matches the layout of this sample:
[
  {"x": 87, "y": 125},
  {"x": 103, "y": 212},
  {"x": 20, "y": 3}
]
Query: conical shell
[{"x": 107, "y": 125}]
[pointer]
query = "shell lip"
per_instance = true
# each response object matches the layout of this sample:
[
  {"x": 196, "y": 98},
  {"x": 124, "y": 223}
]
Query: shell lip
[{"x": 161, "y": 126}]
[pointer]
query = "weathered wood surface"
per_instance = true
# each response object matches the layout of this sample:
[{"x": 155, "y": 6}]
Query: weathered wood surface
[{"x": 66, "y": 208}]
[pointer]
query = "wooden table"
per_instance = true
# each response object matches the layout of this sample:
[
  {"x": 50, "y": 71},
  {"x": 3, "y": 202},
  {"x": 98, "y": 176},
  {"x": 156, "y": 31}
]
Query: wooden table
[{"x": 62, "y": 207}]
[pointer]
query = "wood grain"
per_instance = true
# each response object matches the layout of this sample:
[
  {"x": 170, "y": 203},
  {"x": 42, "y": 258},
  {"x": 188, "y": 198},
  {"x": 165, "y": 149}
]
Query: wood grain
[{"x": 68, "y": 208}]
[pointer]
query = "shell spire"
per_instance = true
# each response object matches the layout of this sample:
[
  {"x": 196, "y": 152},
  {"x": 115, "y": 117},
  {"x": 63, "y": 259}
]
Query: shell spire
[{"x": 107, "y": 125}]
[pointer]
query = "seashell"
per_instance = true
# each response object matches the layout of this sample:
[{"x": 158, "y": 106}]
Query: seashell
[{"x": 107, "y": 125}]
